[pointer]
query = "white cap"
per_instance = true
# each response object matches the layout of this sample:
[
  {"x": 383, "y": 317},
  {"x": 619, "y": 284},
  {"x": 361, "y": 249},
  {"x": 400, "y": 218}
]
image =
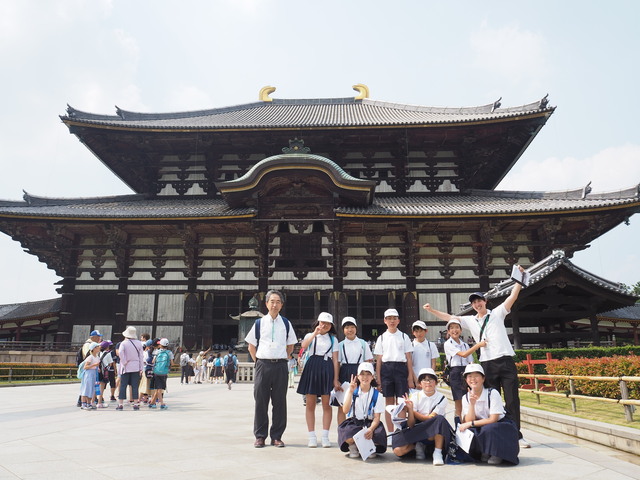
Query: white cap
[
  {"x": 365, "y": 367},
  {"x": 453, "y": 321},
  {"x": 391, "y": 312},
  {"x": 325, "y": 317},
  {"x": 427, "y": 371},
  {"x": 349, "y": 320},
  {"x": 419, "y": 323},
  {"x": 164, "y": 342},
  {"x": 473, "y": 367}
]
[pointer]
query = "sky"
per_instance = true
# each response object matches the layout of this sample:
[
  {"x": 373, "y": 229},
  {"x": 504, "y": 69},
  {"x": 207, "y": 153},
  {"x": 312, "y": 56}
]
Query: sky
[{"x": 163, "y": 56}]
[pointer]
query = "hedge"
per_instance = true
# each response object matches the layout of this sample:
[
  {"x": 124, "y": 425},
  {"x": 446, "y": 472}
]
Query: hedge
[{"x": 616, "y": 366}]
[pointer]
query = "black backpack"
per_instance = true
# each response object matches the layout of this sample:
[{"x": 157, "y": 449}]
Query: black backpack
[
  {"x": 230, "y": 361},
  {"x": 79, "y": 356}
]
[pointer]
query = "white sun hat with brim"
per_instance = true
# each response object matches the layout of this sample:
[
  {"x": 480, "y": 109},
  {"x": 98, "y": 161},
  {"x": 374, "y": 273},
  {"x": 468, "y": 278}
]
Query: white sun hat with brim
[
  {"x": 130, "y": 332},
  {"x": 325, "y": 317},
  {"x": 427, "y": 371},
  {"x": 365, "y": 367},
  {"x": 473, "y": 368},
  {"x": 347, "y": 320}
]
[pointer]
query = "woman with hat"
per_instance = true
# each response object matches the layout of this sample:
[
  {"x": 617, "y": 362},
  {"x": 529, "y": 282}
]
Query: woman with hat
[
  {"x": 320, "y": 375},
  {"x": 364, "y": 405},
  {"x": 130, "y": 367},
  {"x": 426, "y": 422},
  {"x": 495, "y": 435}
]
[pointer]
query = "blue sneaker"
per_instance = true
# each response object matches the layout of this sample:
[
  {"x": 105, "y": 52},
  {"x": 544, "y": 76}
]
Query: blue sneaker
[
  {"x": 152, "y": 405},
  {"x": 163, "y": 407}
]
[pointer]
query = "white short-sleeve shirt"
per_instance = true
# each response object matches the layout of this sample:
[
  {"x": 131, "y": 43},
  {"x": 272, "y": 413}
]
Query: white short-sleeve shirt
[
  {"x": 423, "y": 353},
  {"x": 482, "y": 409},
  {"x": 426, "y": 405},
  {"x": 361, "y": 405},
  {"x": 498, "y": 344},
  {"x": 451, "y": 349},
  {"x": 354, "y": 351},
  {"x": 273, "y": 338},
  {"x": 322, "y": 345},
  {"x": 393, "y": 346}
]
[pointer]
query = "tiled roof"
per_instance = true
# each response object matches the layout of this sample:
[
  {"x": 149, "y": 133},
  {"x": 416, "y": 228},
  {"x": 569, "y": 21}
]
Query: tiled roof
[
  {"x": 543, "y": 269},
  {"x": 478, "y": 202},
  {"x": 489, "y": 202},
  {"x": 120, "y": 207},
  {"x": 17, "y": 311},
  {"x": 283, "y": 113},
  {"x": 624, "y": 313}
]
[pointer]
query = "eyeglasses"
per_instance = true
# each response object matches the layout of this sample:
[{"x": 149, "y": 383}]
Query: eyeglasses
[{"x": 428, "y": 380}]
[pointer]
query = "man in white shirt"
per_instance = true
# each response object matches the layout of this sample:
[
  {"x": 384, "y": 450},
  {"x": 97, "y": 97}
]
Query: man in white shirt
[
  {"x": 496, "y": 357},
  {"x": 270, "y": 347}
]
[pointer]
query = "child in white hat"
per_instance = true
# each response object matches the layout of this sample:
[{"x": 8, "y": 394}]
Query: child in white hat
[{"x": 320, "y": 375}]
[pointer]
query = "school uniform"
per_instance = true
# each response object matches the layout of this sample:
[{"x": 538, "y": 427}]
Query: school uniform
[
  {"x": 499, "y": 439},
  {"x": 423, "y": 353},
  {"x": 422, "y": 431},
  {"x": 497, "y": 358},
  {"x": 393, "y": 348},
  {"x": 365, "y": 405},
  {"x": 352, "y": 353},
  {"x": 318, "y": 373},
  {"x": 457, "y": 365}
]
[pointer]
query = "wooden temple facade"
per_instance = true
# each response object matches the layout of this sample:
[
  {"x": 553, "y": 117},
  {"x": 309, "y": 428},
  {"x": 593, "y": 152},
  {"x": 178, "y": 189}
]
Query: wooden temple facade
[{"x": 347, "y": 205}]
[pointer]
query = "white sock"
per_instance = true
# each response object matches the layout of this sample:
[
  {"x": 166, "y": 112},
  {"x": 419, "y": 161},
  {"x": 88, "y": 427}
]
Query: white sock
[
  {"x": 325, "y": 433},
  {"x": 312, "y": 434},
  {"x": 437, "y": 450}
]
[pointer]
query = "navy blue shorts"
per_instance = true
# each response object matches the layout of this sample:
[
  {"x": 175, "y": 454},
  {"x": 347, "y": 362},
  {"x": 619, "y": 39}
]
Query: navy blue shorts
[{"x": 394, "y": 379}]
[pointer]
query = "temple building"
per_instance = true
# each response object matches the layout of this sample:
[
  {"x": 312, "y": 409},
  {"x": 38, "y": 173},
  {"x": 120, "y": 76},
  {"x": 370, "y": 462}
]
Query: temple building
[{"x": 347, "y": 205}]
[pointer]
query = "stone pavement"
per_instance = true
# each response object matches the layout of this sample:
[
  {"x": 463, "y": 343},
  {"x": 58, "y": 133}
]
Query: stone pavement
[{"x": 207, "y": 433}]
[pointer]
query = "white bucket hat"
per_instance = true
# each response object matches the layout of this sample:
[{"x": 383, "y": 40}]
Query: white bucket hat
[
  {"x": 325, "y": 317},
  {"x": 349, "y": 320},
  {"x": 366, "y": 367},
  {"x": 391, "y": 312},
  {"x": 130, "y": 332},
  {"x": 473, "y": 367},
  {"x": 419, "y": 323}
]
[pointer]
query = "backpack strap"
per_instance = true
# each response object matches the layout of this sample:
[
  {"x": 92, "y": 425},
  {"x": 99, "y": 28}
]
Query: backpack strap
[
  {"x": 434, "y": 407},
  {"x": 287, "y": 327}
]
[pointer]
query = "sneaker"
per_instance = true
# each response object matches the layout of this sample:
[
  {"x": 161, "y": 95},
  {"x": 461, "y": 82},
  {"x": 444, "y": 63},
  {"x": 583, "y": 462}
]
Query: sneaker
[
  {"x": 119, "y": 407},
  {"x": 373, "y": 455},
  {"x": 112, "y": 399},
  {"x": 102, "y": 405},
  {"x": 163, "y": 407},
  {"x": 152, "y": 405},
  {"x": 325, "y": 442},
  {"x": 229, "y": 384},
  {"x": 493, "y": 460},
  {"x": 92, "y": 407},
  {"x": 484, "y": 457},
  {"x": 313, "y": 442},
  {"x": 523, "y": 443},
  {"x": 136, "y": 407},
  {"x": 420, "y": 455},
  {"x": 353, "y": 451},
  {"x": 437, "y": 458},
  {"x": 85, "y": 407}
]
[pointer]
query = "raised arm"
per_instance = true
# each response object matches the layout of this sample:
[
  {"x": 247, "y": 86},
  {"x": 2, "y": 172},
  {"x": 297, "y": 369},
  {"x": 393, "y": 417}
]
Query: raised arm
[
  {"x": 511, "y": 299},
  {"x": 441, "y": 315}
]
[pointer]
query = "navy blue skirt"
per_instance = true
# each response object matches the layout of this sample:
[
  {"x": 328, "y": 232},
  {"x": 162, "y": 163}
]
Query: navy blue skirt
[
  {"x": 317, "y": 376},
  {"x": 346, "y": 370},
  {"x": 351, "y": 426},
  {"x": 499, "y": 439},
  {"x": 423, "y": 431}
]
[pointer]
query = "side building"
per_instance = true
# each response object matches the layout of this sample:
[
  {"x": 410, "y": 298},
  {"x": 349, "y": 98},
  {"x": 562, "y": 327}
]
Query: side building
[{"x": 347, "y": 205}]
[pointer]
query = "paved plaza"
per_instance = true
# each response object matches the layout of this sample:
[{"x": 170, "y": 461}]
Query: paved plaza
[{"x": 207, "y": 433}]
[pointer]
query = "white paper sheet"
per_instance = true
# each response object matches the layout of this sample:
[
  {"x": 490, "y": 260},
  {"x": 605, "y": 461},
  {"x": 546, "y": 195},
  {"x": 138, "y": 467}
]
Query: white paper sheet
[
  {"x": 520, "y": 277},
  {"x": 394, "y": 411},
  {"x": 464, "y": 439},
  {"x": 339, "y": 395},
  {"x": 365, "y": 446}
]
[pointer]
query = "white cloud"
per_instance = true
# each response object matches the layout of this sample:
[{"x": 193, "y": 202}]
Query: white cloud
[
  {"x": 614, "y": 168},
  {"x": 509, "y": 52}
]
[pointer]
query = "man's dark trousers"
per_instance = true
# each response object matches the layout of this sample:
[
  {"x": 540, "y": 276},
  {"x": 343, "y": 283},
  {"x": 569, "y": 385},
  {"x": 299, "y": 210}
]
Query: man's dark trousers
[
  {"x": 502, "y": 374},
  {"x": 270, "y": 384}
]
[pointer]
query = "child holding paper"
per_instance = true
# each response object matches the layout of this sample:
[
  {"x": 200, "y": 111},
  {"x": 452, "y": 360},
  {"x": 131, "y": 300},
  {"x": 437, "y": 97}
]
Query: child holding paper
[{"x": 364, "y": 405}]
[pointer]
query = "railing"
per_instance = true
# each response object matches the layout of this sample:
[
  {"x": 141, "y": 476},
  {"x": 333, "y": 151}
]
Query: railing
[
  {"x": 41, "y": 346},
  {"x": 629, "y": 404},
  {"x": 14, "y": 374}
]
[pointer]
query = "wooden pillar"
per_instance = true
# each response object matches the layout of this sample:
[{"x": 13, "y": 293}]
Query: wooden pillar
[
  {"x": 515, "y": 326},
  {"x": 65, "y": 323},
  {"x": 410, "y": 312},
  {"x": 122, "y": 305},
  {"x": 595, "y": 334}
]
